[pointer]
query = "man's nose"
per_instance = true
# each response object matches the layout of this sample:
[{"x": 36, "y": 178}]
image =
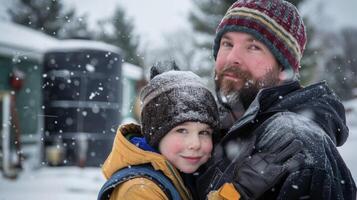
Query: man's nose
[{"x": 234, "y": 57}]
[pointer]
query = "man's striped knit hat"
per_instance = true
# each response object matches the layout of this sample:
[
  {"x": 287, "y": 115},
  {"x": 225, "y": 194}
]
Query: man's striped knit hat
[{"x": 276, "y": 23}]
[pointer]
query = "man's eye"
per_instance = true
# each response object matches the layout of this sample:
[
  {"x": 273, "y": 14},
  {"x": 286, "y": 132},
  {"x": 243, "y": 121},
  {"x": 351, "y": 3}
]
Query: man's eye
[
  {"x": 226, "y": 44},
  {"x": 254, "y": 47}
]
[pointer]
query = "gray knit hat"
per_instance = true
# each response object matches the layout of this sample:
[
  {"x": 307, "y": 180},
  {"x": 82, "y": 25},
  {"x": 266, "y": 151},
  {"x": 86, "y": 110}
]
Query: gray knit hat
[{"x": 173, "y": 97}]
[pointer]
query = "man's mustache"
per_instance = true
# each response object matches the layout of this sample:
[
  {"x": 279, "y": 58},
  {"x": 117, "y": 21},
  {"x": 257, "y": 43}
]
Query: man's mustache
[{"x": 236, "y": 71}]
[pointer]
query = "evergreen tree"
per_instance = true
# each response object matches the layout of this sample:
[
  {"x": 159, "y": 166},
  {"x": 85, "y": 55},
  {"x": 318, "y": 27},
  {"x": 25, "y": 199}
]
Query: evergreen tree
[
  {"x": 50, "y": 17},
  {"x": 119, "y": 31},
  {"x": 207, "y": 16},
  {"x": 308, "y": 71},
  {"x": 77, "y": 28},
  {"x": 340, "y": 68}
]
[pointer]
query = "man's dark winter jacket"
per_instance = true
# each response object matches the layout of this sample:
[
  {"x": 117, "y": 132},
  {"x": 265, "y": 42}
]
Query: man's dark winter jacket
[{"x": 315, "y": 116}]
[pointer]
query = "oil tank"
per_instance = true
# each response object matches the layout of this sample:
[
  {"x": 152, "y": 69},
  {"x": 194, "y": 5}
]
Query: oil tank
[{"x": 82, "y": 98}]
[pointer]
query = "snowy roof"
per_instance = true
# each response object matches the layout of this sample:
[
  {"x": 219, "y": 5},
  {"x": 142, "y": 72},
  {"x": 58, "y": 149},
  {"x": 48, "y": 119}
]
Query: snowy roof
[
  {"x": 132, "y": 71},
  {"x": 17, "y": 40},
  {"x": 78, "y": 44}
]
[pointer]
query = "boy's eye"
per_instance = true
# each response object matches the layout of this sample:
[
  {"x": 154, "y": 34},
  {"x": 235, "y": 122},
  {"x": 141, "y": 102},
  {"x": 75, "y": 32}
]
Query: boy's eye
[
  {"x": 207, "y": 132},
  {"x": 181, "y": 130}
]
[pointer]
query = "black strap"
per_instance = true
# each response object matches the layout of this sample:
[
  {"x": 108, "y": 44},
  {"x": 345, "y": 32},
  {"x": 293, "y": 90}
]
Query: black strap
[{"x": 134, "y": 172}]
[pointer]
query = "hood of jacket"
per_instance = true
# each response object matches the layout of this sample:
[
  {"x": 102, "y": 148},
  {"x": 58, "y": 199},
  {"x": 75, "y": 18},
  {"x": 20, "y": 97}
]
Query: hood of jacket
[
  {"x": 319, "y": 103},
  {"x": 125, "y": 154},
  {"x": 316, "y": 102}
]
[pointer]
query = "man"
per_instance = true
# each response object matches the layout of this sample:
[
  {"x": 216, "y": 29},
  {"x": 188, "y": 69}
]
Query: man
[{"x": 258, "y": 47}]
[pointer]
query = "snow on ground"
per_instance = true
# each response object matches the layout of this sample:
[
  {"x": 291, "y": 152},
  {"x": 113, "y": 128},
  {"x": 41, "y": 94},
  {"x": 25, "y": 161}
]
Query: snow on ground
[
  {"x": 57, "y": 183},
  {"x": 348, "y": 150}
]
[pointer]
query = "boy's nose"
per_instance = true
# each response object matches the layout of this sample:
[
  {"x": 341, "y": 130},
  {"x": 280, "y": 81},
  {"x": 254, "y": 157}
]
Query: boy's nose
[{"x": 194, "y": 143}]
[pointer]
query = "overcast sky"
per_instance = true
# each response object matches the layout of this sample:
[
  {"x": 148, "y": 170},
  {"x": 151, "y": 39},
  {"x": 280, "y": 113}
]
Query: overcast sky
[
  {"x": 151, "y": 18},
  {"x": 154, "y": 18},
  {"x": 331, "y": 13}
]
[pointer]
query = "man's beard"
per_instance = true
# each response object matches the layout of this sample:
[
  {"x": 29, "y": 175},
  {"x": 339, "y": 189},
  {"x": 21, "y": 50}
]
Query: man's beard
[{"x": 246, "y": 94}]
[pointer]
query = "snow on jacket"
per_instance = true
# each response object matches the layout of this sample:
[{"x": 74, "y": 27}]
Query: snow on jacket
[
  {"x": 125, "y": 154},
  {"x": 313, "y": 115}
]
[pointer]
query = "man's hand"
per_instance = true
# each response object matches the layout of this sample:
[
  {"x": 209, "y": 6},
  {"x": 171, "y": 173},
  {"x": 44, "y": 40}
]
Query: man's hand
[{"x": 261, "y": 171}]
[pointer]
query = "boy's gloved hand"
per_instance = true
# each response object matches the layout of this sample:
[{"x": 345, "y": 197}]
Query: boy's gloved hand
[{"x": 261, "y": 171}]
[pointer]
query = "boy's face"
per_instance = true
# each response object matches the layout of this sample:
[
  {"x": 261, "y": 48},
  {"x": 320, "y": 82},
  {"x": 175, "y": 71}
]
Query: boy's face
[{"x": 187, "y": 146}]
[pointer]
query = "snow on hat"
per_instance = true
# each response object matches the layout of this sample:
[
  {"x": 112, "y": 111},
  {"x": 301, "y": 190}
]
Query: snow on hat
[
  {"x": 276, "y": 23},
  {"x": 173, "y": 97}
]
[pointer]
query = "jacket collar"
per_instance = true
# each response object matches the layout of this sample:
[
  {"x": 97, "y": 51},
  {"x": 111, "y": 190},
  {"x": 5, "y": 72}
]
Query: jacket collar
[
  {"x": 263, "y": 101},
  {"x": 124, "y": 154}
]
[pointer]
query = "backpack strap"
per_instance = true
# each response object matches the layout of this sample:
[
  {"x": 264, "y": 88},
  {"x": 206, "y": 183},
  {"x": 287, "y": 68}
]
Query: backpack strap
[{"x": 134, "y": 172}]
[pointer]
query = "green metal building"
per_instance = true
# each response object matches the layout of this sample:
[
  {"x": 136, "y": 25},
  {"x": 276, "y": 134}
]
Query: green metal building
[{"x": 21, "y": 65}]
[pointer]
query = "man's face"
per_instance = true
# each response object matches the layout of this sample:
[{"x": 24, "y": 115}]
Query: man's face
[{"x": 244, "y": 65}]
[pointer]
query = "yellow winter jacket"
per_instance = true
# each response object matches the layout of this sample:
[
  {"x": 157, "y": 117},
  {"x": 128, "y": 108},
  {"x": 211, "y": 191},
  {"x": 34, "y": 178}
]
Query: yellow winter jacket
[{"x": 125, "y": 154}]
